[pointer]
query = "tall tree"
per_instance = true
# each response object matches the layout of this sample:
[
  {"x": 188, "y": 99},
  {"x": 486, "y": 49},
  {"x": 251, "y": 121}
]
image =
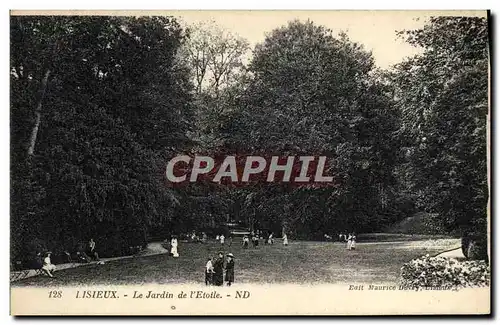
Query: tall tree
[
  {"x": 313, "y": 93},
  {"x": 443, "y": 97},
  {"x": 120, "y": 106},
  {"x": 215, "y": 55}
]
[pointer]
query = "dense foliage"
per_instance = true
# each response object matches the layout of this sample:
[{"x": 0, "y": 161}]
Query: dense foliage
[
  {"x": 116, "y": 106},
  {"x": 311, "y": 93},
  {"x": 443, "y": 98}
]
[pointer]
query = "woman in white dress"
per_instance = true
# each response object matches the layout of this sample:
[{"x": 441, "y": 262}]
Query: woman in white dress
[
  {"x": 285, "y": 240},
  {"x": 349, "y": 242},
  {"x": 353, "y": 242},
  {"x": 48, "y": 267},
  {"x": 174, "y": 244}
]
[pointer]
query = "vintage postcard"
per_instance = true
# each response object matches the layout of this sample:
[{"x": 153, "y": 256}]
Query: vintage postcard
[{"x": 249, "y": 163}]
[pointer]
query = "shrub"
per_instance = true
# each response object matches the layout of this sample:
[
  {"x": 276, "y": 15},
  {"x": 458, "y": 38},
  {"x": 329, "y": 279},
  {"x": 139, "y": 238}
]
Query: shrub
[{"x": 443, "y": 271}]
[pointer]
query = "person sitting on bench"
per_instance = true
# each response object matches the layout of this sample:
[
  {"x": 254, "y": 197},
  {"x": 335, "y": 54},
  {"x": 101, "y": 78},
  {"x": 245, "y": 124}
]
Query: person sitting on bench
[
  {"x": 82, "y": 257},
  {"x": 48, "y": 267}
]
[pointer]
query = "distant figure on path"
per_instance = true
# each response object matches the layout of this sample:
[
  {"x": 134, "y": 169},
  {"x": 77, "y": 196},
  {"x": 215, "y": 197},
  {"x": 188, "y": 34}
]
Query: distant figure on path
[
  {"x": 230, "y": 269},
  {"x": 270, "y": 240},
  {"x": 245, "y": 241},
  {"x": 222, "y": 238},
  {"x": 209, "y": 272},
  {"x": 255, "y": 241},
  {"x": 353, "y": 242},
  {"x": 349, "y": 242},
  {"x": 285, "y": 240},
  {"x": 174, "y": 245},
  {"x": 218, "y": 277},
  {"x": 48, "y": 267}
]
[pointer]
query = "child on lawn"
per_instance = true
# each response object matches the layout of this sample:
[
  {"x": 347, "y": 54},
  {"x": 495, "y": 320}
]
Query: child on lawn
[
  {"x": 245, "y": 241},
  {"x": 209, "y": 271}
]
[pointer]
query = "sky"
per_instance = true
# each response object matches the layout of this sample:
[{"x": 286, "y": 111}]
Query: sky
[{"x": 376, "y": 30}]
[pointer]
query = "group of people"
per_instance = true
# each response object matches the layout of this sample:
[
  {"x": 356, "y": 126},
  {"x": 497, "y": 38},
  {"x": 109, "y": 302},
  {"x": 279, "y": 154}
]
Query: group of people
[
  {"x": 219, "y": 270},
  {"x": 222, "y": 240},
  {"x": 350, "y": 239},
  {"x": 214, "y": 270},
  {"x": 255, "y": 240},
  {"x": 87, "y": 255}
]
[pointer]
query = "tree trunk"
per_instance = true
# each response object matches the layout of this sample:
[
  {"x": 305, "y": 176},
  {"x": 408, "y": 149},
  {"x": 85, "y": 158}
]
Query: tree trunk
[{"x": 38, "y": 114}]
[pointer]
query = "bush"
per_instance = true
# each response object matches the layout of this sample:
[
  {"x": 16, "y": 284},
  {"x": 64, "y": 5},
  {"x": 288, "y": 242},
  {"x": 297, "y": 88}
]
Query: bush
[{"x": 443, "y": 271}]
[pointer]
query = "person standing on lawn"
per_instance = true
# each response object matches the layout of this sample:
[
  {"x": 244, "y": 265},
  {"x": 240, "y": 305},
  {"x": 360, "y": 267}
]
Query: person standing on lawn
[
  {"x": 173, "y": 244},
  {"x": 209, "y": 272},
  {"x": 270, "y": 239},
  {"x": 222, "y": 238},
  {"x": 349, "y": 241},
  {"x": 91, "y": 252},
  {"x": 245, "y": 241},
  {"x": 230, "y": 269},
  {"x": 285, "y": 240},
  {"x": 218, "y": 278},
  {"x": 353, "y": 241}
]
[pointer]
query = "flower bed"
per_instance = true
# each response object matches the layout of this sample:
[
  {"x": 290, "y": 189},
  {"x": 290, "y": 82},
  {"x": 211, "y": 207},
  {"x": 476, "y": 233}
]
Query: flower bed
[{"x": 443, "y": 271}]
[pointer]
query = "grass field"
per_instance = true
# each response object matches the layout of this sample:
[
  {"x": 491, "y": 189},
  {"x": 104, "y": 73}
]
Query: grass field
[{"x": 300, "y": 262}]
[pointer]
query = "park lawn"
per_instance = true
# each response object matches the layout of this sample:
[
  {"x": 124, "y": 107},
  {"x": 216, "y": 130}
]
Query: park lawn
[{"x": 301, "y": 262}]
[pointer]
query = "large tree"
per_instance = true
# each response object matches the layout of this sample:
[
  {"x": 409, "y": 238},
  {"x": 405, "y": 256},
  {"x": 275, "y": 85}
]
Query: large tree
[
  {"x": 315, "y": 94},
  {"x": 443, "y": 97},
  {"x": 90, "y": 139}
]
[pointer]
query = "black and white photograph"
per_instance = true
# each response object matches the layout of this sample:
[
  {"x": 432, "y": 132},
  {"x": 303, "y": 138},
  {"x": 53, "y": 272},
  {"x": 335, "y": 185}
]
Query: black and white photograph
[{"x": 200, "y": 154}]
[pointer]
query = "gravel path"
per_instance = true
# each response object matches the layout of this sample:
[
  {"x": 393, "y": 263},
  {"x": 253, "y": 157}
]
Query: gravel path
[
  {"x": 456, "y": 253},
  {"x": 154, "y": 248}
]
